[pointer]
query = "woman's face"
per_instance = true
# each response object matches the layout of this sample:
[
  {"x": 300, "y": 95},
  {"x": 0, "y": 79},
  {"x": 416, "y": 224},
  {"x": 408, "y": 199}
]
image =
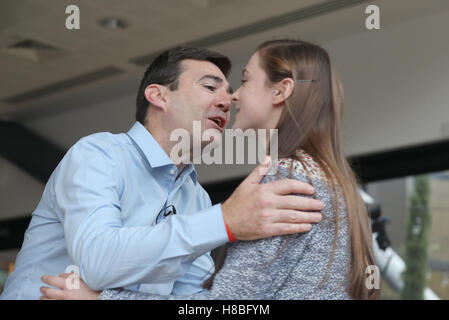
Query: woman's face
[{"x": 254, "y": 99}]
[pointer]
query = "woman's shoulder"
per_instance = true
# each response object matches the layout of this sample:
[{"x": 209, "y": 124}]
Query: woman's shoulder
[{"x": 303, "y": 165}]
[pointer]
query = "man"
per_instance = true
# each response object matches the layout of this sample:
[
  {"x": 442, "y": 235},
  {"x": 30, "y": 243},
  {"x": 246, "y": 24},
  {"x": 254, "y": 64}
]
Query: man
[{"x": 119, "y": 210}]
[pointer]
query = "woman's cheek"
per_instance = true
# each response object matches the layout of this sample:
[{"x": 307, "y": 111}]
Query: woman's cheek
[{"x": 242, "y": 120}]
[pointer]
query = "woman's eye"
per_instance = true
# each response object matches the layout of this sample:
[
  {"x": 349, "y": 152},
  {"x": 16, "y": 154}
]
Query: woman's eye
[{"x": 243, "y": 81}]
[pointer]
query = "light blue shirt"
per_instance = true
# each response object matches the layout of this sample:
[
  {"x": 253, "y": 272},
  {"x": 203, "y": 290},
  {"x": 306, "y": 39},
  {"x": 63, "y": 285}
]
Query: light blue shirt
[{"x": 100, "y": 212}]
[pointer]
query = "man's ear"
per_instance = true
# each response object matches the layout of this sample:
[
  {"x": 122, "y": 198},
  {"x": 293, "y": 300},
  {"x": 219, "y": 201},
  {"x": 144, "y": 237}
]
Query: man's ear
[
  {"x": 156, "y": 95},
  {"x": 283, "y": 90}
]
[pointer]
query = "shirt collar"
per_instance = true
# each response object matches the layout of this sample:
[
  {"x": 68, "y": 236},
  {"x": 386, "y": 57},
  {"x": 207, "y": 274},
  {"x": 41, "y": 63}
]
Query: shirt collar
[
  {"x": 190, "y": 170},
  {"x": 156, "y": 156}
]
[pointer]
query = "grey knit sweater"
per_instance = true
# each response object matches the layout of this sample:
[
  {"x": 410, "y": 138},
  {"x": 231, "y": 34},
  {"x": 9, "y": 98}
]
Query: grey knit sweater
[{"x": 281, "y": 267}]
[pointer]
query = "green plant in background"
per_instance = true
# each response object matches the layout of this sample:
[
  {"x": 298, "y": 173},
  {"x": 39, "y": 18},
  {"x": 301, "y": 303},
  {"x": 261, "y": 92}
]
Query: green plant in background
[{"x": 418, "y": 225}]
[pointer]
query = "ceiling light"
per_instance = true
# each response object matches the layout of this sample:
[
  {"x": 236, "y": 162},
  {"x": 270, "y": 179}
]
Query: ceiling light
[{"x": 113, "y": 23}]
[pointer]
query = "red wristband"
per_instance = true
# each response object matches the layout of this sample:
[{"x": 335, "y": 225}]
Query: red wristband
[{"x": 230, "y": 235}]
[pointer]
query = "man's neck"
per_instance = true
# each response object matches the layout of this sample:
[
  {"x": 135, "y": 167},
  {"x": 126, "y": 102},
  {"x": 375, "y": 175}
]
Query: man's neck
[{"x": 164, "y": 141}]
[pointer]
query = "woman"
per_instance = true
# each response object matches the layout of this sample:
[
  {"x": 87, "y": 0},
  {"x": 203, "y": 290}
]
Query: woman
[{"x": 291, "y": 86}]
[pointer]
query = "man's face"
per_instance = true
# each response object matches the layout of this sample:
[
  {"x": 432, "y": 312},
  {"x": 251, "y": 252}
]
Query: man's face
[{"x": 203, "y": 95}]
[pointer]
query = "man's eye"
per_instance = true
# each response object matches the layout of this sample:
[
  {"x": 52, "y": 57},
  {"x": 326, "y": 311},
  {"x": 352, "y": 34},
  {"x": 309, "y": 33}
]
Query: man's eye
[
  {"x": 211, "y": 88},
  {"x": 243, "y": 81}
]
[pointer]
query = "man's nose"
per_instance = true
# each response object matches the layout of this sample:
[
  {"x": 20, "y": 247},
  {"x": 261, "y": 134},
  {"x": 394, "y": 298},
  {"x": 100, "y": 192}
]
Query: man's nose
[{"x": 225, "y": 102}]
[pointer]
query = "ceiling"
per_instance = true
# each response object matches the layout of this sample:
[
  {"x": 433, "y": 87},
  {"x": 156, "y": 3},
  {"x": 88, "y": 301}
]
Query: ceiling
[
  {"x": 151, "y": 26},
  {"x": 95, "y": 63}
]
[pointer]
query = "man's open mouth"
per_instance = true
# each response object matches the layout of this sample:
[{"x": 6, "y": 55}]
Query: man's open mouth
[{"x": 219, "y": 121}]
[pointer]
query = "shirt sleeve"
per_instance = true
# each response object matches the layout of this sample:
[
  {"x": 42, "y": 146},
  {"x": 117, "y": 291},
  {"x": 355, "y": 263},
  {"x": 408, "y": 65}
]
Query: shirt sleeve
[
  {"x": 87, "y": 193},
  {"x": 246, "y": 274}
]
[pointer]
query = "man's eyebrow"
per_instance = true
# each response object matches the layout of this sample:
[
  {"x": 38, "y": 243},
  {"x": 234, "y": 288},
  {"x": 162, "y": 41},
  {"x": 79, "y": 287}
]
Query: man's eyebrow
[
  {"x": 211, "y": 77},
  {"x": 216, "y": 79}
]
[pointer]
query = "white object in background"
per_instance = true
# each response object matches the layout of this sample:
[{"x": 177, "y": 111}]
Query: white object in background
[{"x": 391, "y": 268}]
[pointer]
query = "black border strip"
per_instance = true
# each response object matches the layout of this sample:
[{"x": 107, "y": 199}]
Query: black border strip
[
  {"x": 12, "y": 232},
  {"x": 402, "y": 162},
  {"x": 29, "y": 151}
]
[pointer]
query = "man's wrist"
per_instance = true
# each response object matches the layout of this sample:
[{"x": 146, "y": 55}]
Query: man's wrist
[
  {"x": 224, "y": 209},
  {"x": 230, "y": 235}
]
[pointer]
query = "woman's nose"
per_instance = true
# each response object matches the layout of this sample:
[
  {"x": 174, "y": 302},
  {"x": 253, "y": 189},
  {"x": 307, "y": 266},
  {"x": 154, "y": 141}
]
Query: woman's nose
[{"x": 234, "y": 96}]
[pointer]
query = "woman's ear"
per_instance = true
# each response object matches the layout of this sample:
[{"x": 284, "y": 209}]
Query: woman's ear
[
  {"x": 283, "y": 90},
  {"x": 156, "y": 95}
]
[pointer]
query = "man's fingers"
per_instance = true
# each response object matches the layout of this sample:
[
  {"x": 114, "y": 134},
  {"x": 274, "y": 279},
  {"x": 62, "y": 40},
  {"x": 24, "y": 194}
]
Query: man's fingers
[
  {"x": 54, "y": 281},
  {"x": 257, "y": 174},
  {"x": 288, "y": 186},
  {"x": 290, "y": 228},
  {"x": 52, "y": 293},
  {"x": 45, "y": 298},
  {"x": 298, "y": 203},
  {"x": 293, "y": 216}
]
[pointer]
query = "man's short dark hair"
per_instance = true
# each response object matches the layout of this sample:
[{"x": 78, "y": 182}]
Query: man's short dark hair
[{"x": 166, "y": 69}]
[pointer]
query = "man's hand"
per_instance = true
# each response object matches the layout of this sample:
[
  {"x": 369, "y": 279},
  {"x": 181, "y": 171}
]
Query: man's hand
[
  {"x": 257, "y": 211},
  {"x": 83, "y": 292}
]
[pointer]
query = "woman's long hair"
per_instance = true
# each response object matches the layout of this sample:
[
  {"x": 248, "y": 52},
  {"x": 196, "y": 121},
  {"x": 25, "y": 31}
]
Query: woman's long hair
[{"x": 312, "y": 120}]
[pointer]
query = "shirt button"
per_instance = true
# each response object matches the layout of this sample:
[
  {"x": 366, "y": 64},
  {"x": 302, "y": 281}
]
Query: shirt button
[{"x": 172, "y": 171}]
